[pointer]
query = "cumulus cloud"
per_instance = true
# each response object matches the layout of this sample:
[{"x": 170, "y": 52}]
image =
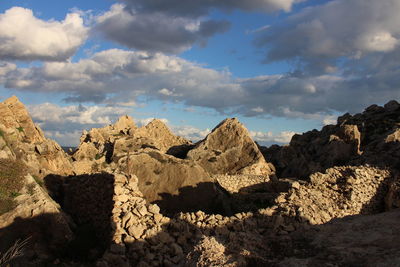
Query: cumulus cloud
[
  {"x": 25, "y": 37},
  {"x": 66, "y": 123},
  {"x": 321, "y": 36},
  {"x": 173, "y": 26},
  {"x": 190, "y": 132},
  {"x": 201, "y": 8},
  {"x": 271, "y": 138},
  {"x": 144, "y": 122},
  {"x": 156, "y": 32},
  {"x": 117, "y": 76}
]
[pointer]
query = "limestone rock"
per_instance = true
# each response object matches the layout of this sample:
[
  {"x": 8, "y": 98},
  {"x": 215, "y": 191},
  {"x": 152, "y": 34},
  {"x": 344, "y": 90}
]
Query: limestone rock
[
  {"x": 171, "y": 182},
  {"x": 124, "y": 124},
  {"x": 22, "y": 139},
  {"x": 15, "y": 116},
  {"x": 229, "y": 149}
]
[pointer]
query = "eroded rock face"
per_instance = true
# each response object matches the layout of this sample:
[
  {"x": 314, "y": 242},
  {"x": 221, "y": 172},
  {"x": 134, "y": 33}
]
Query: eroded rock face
[
  {"x": 315, "y": 151},
  {"x": 99, "y": 145},
  {"x": 367, "y": 138},
  {"x": 21, "y": 138},
  {"x": 172, "y": 183},
  {"x": 229, "y": 149},
  {"x": 15, "y": 116}
]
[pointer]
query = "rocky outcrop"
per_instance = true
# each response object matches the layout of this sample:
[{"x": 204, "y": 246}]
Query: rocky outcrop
[
  {"x": 15, "y": 116},
  {"x": 229, "y": 149},
  {"x": 21, "y": 138},
  {"x": 172, "y": 182},
  {"x": 99, "y": 145},
  {"x": 367, "y": 138}
]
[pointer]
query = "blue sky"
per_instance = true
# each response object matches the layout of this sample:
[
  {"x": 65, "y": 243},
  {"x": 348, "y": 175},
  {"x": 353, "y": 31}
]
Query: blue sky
[{"x": 280, "y": 66}]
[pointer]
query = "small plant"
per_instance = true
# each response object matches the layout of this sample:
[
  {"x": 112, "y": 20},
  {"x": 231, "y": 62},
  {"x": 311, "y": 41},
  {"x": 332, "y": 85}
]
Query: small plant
[
  {"x": 1, "y": 133},
  {"x": 14, "y": 194},
  {"x": 98, "y": 156},
  {"x": 15, "y": 251},
  {"x": 20, "y": 129}
]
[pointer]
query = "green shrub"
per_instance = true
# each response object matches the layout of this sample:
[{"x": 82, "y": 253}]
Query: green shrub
[
  {"x": 12, "y": 173},
  {"x": 20, "y": 129}
]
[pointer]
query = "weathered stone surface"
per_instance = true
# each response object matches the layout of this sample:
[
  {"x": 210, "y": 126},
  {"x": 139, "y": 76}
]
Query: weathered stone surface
[
  {"x": 229, "y": 149},
  {"x": 124, "y": 124},
  {"x": 15, "y": 116},
  {"x": 171, "y": 181},
  {"x": 22, "y": 139},
  {"x": 162, "y": 137},
  {"x": 315, "y": 151}
]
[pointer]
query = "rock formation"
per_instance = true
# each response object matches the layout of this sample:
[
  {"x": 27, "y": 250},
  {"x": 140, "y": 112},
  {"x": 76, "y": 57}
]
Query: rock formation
[
  {"x": 229, "y": 149},
  {"x": 134, "y": 201},
  {"x": 366, "y": 138},
  {"x": 172, "y": 182},
  {"x": 21, "y": 138}
]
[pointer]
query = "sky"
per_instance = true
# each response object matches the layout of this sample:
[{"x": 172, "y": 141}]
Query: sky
[{"x": 280, "y": 66}]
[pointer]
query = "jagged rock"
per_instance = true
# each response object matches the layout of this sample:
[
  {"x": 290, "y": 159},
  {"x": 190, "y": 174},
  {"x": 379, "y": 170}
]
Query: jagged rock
[
  {"x": 22, "y": 139},
  {"x": 124, "y": 124},
  {"x": 315, "y": 151},
  {"x": 15, "y": 117},
  {"x": 229, "y": 149}
]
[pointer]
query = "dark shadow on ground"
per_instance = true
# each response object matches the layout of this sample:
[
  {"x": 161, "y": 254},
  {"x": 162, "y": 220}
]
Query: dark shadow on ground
[
  {"x": 88, "y": 199},
  {"x": 207, "y": 196}
]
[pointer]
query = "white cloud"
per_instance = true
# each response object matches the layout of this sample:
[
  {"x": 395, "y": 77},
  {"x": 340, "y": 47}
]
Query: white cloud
[
  {"x": 258, "y": 110},
  {"x": 25, "y": 37},
  {"x": 66, "y": 123},
  {"x": 144, "y": 122},
  {"x": 269, "y": 137},
  {"x": 322, "y": 36},
  {"x": 329, "y": 120},
  {"x": 65, "y": 138},
  {"x": 190, "y": 132},
  {"x": 117, "y": 76}
]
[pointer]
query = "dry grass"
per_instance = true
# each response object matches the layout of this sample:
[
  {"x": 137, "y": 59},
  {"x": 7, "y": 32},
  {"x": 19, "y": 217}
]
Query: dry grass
[
  {"x": 12, "y": 174},
  {"x": 15, "y": 251}
]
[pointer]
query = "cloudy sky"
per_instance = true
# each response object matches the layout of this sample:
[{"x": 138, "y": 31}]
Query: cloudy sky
[{"x": 280, "y": 66}]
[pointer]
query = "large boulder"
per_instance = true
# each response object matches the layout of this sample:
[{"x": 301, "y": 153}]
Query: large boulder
[
  {"x": 229, "y": 149},
  {"x": 174, "y": 184}
]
